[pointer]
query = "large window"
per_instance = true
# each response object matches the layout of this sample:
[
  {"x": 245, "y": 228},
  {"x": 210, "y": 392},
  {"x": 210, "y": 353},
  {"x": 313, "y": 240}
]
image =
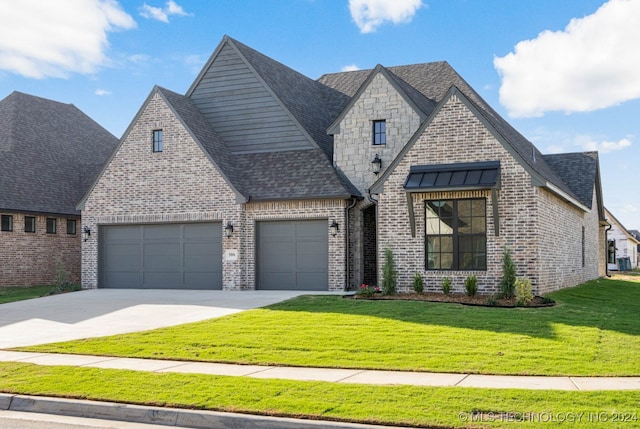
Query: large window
[
  {"x": 51, "y": 225},
  {"x": 29, "y": 224},
  {"x": 157, "y": 140},
  {"x": 456, "y": 237},
  {"x": 379, "y": 132},
  {"x": 71, "y": 226}
]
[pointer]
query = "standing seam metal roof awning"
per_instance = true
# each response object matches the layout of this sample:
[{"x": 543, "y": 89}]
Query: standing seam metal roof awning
[{"x": 470, "y": 176}]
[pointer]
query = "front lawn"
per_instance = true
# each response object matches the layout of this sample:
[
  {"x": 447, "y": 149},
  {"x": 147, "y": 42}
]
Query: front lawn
[
  {"x": 593, "y": 330},
  {"x": 450, "y": 407}
]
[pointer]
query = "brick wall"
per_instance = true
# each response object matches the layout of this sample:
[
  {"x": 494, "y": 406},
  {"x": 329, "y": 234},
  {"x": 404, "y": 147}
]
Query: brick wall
[
  {"x": 530, "y": 217},
  {"x": 29, "y": 259}
]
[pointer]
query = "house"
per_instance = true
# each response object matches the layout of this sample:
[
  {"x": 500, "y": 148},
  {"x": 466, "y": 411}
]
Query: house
[
  {"x": 622, "y": 246},
  {"x": 261, "y": 178},
  {"x": 50, "y": 153},
  {"x": 636, "y": 235}
]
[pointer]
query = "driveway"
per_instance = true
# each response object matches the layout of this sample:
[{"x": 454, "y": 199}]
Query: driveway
[{"x": 100, "y": 312}]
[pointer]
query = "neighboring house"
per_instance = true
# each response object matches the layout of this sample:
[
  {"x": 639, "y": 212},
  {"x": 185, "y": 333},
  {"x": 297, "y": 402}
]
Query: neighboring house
[
  {"x": 50, "y": 153},
  {"x": 622, "y": 246},
  {"x": 261, "y": 178},
  {"x": 636, "y": 235}
]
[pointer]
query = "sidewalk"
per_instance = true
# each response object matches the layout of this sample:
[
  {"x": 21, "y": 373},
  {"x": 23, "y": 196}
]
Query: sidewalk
[{"x": 332, "y": 375}]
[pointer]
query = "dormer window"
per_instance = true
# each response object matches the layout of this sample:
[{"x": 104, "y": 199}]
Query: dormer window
[
  {"x": 157, "y": 140},
  {"x": 379, "y": 132}
]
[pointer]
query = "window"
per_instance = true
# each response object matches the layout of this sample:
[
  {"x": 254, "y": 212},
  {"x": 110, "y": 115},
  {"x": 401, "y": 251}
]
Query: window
[
  {"x": 51, "y": 225},
  {"x": 379, "y": 132},
  {"x": 157, "y": 140},
  {"x": 71, "y": 226},
  {"x": 29, "y": 224},
  {"x": 7, "y": 223},
  {"x": 456, "y": 237}
]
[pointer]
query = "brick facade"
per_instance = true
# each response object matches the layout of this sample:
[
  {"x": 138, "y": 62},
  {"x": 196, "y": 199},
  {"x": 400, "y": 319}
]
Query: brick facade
[
  {"x": 539, "y": 229},
  {"x": 180, "y": 184},
  {"x": 32, "y": 258}
]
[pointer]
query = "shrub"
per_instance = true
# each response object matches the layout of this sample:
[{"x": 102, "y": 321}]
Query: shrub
[
  {"x": 446, "y": 285},
  {"x": 523, "y": 292},
  {"x": 62, "y": 279},
  {"x": 418, "y": 283},
  {"x": 508, "y": 281},
  {"x": 471, "y": 285},
  {"x": 492, "y": 300},
  {"x": 367, "y": 290},
  {"x": 389, "y": 274}
]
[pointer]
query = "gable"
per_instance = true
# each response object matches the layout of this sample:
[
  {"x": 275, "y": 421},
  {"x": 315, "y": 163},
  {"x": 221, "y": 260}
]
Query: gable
[{"x": 243, "y": 111}]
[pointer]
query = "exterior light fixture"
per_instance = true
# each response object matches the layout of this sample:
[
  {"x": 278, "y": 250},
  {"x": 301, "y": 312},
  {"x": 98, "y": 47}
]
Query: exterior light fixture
[
  {"x": 376, "y": 165},
  {"x": 334, "y": 228},
  {"x": 86, "y": 233},
  {"x": 228, "y": 230}
]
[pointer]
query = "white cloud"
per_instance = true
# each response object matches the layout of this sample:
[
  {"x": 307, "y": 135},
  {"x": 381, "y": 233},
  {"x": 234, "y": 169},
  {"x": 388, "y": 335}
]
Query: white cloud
[
  {"x": 603, "y": 146},
  {"x": 370, "y": 14},
  {"x": 53, "y": 39},
  {"x": 162, "y": 13},
  {"x": 102, "y": 92},
  {"x": 351, "y": 67},
  {"x": 592, "y": 64}
]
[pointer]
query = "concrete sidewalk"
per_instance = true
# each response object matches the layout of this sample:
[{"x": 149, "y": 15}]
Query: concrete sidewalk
[{"x": 331, "y": 375}]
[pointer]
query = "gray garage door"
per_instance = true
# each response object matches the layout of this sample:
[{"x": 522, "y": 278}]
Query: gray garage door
[
  {"x": 168, "y": 256},
  {"x": 292, "y": 255}
]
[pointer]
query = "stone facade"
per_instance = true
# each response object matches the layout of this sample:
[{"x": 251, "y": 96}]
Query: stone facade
[
  {"x": 534, "y": 224},
  {"x": 32, "y": 258}
]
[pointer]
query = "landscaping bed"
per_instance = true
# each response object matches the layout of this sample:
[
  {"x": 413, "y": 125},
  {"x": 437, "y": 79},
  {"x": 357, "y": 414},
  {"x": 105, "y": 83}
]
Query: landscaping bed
[{"x": 460, "y": 298}]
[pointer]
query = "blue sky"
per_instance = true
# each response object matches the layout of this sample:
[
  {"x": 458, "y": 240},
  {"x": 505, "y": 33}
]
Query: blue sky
[{"x": 563, "y": 72}]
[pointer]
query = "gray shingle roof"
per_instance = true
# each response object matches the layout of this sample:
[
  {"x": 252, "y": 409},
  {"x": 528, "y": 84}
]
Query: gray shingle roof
[
  {"x": 578, "y": 170},
  {"x": 50, "y": 152}
]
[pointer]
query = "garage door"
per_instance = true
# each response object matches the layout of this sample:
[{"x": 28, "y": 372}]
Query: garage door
[
  {"x": 292, "y": 255},
  {"x": 169, "y": 256}
]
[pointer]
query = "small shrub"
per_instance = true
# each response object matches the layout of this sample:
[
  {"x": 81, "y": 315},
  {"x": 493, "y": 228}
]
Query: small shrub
[
  {"x": 389, "y": 274},
  {"x": 62, "y": 279},
  {"x": 446, "y": 285},
  {"x": 508, "y": 281},
  {"x": 523, "y": 292},
  {"x": 471, "y": 285},
  {"x": 367, "y": 290},
  {"x": 547, "y": 300},
  {"x": 418, "y": 283},
  {"x": 492, "y": 300}
]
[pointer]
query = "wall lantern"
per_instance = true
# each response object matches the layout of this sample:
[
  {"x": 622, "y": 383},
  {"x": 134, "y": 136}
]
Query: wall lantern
[
  {"x": 376, "y": 164},
  {"x": 334, "y": 228},
  {"x": 228, "y": 230},
  {"x": 86, "y": 233}
]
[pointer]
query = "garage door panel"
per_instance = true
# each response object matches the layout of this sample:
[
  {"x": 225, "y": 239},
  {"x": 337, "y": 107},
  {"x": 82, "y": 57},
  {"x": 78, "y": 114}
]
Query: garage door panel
[
  {"x": 187, "y": 256},
  {"x": 292, "y": 255}
]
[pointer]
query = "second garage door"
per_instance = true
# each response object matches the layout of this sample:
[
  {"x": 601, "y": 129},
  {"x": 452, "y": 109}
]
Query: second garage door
[
  {"x": 167, "y": 256},
  {"x": 292, "y": 255}
]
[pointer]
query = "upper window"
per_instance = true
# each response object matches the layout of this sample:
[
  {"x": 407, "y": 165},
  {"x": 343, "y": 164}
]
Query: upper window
[
  {"x": 379, "y": 132},
  {"x": 51, "y": 225},
  {"x": 71, "y": 226},
  {"x": 7, "y": 223},
  {"x": 157, "y": 140},
  {"x": 456, "y": 236},
  {"x": 29, "y": 224}
]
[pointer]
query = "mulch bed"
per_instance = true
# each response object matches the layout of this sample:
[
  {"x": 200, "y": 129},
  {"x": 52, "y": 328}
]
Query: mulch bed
[{"x": 458, "y": 298}]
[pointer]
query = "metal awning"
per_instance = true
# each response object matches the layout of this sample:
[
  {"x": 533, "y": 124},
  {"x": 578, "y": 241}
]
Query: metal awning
[{"x": 471, "y": 176}]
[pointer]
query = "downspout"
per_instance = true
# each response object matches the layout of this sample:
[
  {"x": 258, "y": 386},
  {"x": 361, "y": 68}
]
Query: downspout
[
  {"x": 606, "y": 250},
  {"x": 375, "y": 202},
  {"x": 346, "y": 247}
]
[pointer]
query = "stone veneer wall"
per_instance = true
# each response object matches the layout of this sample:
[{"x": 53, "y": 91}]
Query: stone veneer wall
[
  {"x": 29, "y": 259},
  {"x": 179, "y": 184},
  {"x": 526, "y": 213},
  {"x": 353, "y": 145}
]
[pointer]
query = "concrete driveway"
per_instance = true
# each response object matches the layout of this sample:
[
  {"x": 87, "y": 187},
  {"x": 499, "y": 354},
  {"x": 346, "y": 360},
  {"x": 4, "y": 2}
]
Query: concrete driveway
[{"x": 100, "y": 312}]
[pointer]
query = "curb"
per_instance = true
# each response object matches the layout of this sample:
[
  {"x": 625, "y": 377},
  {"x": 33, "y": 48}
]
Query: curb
[{"x": 161, "y": 416}]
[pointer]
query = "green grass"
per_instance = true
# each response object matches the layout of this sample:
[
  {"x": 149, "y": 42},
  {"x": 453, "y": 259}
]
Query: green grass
[
  {"x": 395, "y": 405},
  {"x": 593, "y": 330},
  {"x": 11, "y": 294}
]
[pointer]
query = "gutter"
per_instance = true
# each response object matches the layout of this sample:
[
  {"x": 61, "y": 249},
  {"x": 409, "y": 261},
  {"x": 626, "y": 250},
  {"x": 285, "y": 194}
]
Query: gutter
[{"x": 346, "y": 239}]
